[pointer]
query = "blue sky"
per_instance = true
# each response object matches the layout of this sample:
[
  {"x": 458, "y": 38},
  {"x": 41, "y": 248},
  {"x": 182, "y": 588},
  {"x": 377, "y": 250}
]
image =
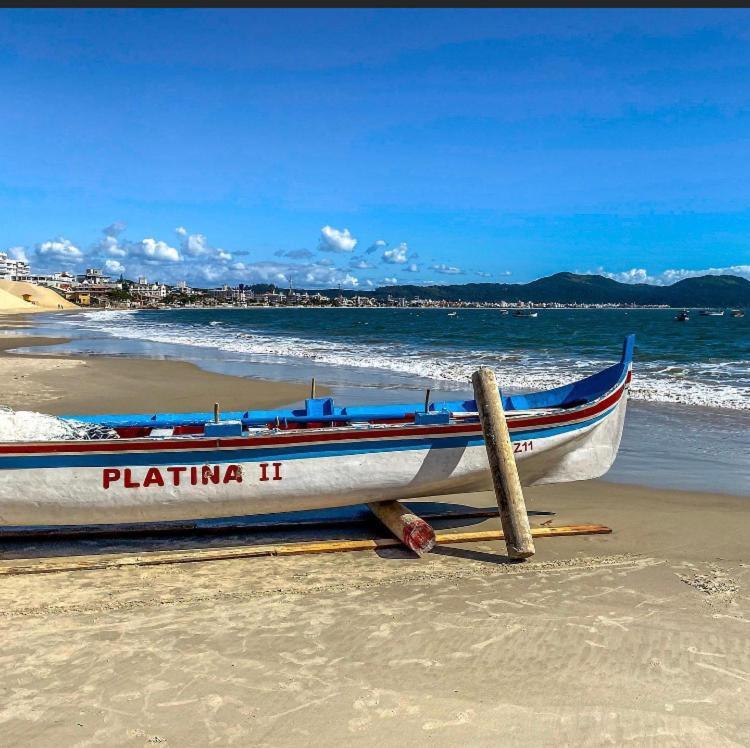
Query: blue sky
[{"x": 358, "y": 146}]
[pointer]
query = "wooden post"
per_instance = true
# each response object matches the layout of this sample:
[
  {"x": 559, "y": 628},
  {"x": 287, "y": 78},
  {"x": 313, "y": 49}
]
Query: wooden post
[
  {"x": 427, "y": 400},
  {"x": 312, "y": 389},
  {"x": 216, "y": 412},
  {"x": 411, "y": 530},
  {"x": 505, "y": 478}
]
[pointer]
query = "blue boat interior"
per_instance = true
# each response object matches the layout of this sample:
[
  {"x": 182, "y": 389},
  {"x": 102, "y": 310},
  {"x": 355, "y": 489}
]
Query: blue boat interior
[{"x": 323, "y": 410}]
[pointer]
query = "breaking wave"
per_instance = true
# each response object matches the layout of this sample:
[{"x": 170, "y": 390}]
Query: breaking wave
[{"x": 721, "y": 384}]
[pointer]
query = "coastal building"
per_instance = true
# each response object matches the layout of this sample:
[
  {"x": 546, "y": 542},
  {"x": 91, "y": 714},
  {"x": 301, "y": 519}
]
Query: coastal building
[
  {"x": 146, "y": 292},
  {"x": 274, "y": 298},
  {"x": 62, "y": 281},
  {"x": 94, "y": 286},
  {"x": 13, "y": 270},
  {"x": 93, "y": 277},
  {"x": 82, "y": 298}
]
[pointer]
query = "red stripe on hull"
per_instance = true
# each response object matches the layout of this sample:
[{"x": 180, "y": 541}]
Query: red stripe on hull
[{"x": 515, "y": 423}]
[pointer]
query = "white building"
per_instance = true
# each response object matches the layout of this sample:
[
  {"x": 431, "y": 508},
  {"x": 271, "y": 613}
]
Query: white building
[
  {"x": 13, "y": 270},
  {"x": 93, "y": 277},
  {"x": 63, "y": 281},
  {"x": 148, "y": 291}
]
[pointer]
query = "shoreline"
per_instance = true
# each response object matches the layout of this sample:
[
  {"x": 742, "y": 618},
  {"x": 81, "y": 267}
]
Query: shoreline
[
  {"x": 354, "y": 349},
  {"x": 266, "y": 365},
  {"x": 64, "y": 385}
]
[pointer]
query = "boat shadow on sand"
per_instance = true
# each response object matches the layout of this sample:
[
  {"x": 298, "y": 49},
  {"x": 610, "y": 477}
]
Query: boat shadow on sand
[{"x": 342, "y": 523}]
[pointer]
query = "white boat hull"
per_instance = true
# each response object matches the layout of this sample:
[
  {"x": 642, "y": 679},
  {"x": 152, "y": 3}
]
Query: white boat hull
[{"x": 135, "y": 481}]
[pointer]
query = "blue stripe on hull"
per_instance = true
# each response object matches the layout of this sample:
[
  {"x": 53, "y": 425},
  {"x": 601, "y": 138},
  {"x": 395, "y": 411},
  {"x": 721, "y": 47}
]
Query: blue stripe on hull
[{"x": 277, "y": 452}]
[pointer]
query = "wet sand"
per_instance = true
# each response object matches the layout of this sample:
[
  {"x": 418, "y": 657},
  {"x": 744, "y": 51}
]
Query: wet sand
[
  {"x": 110, "y": 384},
  {"x": 640, "y": 637}
]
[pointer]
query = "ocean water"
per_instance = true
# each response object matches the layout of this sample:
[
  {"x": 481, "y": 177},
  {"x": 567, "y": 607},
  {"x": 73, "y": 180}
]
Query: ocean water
[
  {"x": 705, "y": 361},
  {"x": 688, "y": 423}
]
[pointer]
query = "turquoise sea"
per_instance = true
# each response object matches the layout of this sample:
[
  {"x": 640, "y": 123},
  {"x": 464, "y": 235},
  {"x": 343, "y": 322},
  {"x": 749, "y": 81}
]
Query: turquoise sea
[{"x": 705, "y": 361}]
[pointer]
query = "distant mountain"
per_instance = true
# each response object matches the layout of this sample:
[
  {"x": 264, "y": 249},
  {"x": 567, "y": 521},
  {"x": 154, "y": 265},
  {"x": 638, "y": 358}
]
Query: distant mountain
[{"x": 570, "y": 288}]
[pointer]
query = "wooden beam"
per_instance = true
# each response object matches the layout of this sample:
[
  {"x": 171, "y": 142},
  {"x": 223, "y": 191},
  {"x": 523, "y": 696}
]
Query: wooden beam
[
  {"x": 406, "y": 526},
  {"x": 505, "y": 480},
  {"x": 157, "y": 558}
]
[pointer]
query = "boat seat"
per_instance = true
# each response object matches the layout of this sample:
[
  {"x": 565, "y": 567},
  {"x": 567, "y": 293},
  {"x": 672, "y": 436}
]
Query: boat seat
[{"x": 161, "y": 432}]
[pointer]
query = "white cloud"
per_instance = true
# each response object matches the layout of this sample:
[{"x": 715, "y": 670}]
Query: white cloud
[
  {"x": 59, "y": 250},
  {"x": 376, "y": 246},
  {"x": 17, "y": 253},
  {"x": 156, "y": 251},
  {"x": 412, "y": 268},
  {"x": 362, "y": 264},
  {"x": 333, "y": 240},
  {"x": 482, "y": 274},
  {"x": 398, "y": 255},
  {"x": 197, "y": 245},
  {"x": 114, "y": 267},
  {"x": 447, "y": 269},
  {"x": 670, "y": 276},
  {"x": 110, "y": 245},
  {"x": 390, "y": 281},
  {"x": 279, "y": 273},
  {"x": 634, "y": 275}
]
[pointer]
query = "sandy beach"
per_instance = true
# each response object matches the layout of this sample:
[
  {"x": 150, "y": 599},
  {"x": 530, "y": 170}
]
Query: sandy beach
[
  {"x": 65, "y": 385},
  {"x": 635, "y": 638}
]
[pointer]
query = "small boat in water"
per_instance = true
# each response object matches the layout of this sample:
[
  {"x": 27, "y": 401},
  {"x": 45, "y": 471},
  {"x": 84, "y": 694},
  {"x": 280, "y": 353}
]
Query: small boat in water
[
  {"x": 737, "y": 313},
  {"x": 156, "y": 467},
  {"x": 525, "y": 313},
  {"x": 712, "y": 313},
  {"x": 683, "y": 316}
]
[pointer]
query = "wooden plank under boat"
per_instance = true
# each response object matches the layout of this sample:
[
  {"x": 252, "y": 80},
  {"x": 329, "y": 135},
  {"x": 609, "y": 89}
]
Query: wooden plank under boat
[{"x": 183, "y": 466}]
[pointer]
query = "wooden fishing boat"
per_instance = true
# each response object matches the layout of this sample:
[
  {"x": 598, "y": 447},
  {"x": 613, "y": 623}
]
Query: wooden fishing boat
[
  {"x": 525, "y": 313},
  {"x": 178, "y": 466},
  {"x": 712, "y": 313}
]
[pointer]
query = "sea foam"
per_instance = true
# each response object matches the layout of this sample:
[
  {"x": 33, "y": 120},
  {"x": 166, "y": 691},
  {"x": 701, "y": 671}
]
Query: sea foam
[
  {"x": 723, "y": 384},
  {"x": 29, "y": 426}
]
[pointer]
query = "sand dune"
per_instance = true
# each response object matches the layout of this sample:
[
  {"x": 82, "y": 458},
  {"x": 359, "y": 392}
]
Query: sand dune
[
  {"x": 17, "y": 296},
  {"x": 10, "y": 303}
]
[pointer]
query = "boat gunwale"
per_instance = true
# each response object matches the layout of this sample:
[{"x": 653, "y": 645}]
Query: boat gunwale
[{"x": 340, "y": 434}]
